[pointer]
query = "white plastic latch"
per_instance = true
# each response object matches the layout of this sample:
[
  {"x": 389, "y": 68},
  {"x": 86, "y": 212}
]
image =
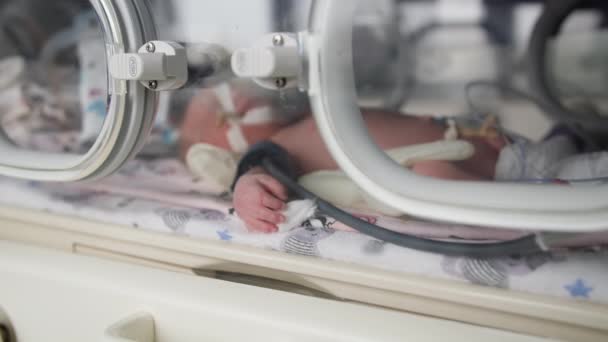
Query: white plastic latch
[
  {"x": 266, "y": 62},
  {"x": 158, "y": 65},
  {"x": 273, "y": 62}
]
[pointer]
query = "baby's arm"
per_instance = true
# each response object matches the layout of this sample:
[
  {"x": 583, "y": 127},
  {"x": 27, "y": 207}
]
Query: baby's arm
[
  {"x": 259, "y": 198},
  {"x": 388, "y": 131}
]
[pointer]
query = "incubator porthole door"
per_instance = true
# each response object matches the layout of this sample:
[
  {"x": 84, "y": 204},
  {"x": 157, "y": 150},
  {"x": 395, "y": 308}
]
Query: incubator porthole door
[
  {"x": 334, "y": 100},
  {"x": 58, "y": 54}
]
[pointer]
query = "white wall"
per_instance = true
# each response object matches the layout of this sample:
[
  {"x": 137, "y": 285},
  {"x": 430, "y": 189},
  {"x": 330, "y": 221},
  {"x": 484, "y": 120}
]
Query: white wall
[{"x": 232, "y": 23}]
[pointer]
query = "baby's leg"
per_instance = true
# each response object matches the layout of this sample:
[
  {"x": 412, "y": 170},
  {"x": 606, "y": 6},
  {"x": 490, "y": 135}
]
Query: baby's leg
[
  {"x": 388, "y": 131},
  {"x": 483, "y": 162},
  {"x": 445, "y": 170}
]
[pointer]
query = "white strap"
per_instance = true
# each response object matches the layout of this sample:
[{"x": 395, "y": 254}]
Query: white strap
[
  {"x": 224, "y": 96},
  {"x": 259, "y": 115},
  {"x": 236, "y": 138},
  {"x": 451, "y": 133}
]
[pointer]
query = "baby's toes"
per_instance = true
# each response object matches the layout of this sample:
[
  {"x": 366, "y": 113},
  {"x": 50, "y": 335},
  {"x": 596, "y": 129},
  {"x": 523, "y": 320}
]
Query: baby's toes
[
  {"x": 270, "y": 216},
  {"x": 272, "y": 202},
  {"x": 262, "y": 227}
]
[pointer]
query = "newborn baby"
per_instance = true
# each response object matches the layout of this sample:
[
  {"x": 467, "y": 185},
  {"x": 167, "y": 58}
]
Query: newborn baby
[{"x": 259, "y": 198}]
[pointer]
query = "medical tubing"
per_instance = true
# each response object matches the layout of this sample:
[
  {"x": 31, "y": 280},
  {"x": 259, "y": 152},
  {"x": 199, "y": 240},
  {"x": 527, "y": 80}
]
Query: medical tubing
[
  {"x": 522, "y": 246},
  {"x": 541, "y": 104}
]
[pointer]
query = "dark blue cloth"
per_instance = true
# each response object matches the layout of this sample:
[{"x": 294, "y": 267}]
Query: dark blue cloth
[{"x": 260, "y": 151}]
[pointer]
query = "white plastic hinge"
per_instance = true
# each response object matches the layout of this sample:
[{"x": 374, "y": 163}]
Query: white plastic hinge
[
  {"x": 274, "y": 62},
  {"x": 266, "y": 62},
  {"x": 158, "y": 65}
]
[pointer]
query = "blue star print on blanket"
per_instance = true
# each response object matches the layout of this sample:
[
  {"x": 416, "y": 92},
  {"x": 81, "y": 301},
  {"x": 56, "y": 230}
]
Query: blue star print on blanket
[
  {"x": 224, "y": 235},
  {"x": 579, "y": 289}
]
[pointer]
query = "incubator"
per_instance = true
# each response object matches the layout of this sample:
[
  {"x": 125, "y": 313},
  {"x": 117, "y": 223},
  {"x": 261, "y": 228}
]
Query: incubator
[
  {"x": 103, "y": 146},
  {"x": 337, "y": 55}
]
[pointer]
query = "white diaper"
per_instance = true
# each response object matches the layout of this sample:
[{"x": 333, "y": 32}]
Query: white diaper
[
  {"x": 525, "y": 160},
  {"x": 584, "y": 166}
]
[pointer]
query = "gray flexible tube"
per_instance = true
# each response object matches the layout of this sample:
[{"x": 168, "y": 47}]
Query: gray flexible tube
[{"x": 522, "y": 246}]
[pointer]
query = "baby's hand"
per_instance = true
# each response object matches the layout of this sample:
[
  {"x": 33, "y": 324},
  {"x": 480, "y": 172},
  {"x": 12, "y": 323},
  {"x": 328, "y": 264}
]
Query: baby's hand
[{"x": 258, "y": 200}]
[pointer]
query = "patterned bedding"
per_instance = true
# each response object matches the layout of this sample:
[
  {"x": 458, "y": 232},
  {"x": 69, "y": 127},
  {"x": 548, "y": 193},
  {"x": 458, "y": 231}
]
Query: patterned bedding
[{"x": 161, "y": 196}]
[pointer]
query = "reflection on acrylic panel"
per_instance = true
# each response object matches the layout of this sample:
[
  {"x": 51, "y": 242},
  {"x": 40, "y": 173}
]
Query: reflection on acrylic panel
[{"x": 53, "y": 79}]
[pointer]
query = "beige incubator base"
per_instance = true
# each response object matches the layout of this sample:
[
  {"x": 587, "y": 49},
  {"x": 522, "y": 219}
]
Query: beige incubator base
[
  {"x": 56, "y": 296},
  {"x": 511, "y": 311}
]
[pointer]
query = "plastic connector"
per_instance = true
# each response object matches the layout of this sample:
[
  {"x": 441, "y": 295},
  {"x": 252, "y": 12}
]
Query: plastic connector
[
  {"x": 273, "y": 62},
  {"x": 139, "y": 66},
  {"x": 158, "y": 65},
  {"x": 266, "y": 62}
]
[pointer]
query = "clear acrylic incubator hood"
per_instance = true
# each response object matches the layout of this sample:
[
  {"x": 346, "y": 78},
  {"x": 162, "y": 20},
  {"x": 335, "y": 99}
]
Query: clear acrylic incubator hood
[{"x": 133, "y": 53}]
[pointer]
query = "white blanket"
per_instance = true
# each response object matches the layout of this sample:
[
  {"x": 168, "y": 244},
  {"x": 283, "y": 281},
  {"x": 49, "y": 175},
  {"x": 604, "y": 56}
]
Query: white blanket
[{"x": 582, "y": 275}]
